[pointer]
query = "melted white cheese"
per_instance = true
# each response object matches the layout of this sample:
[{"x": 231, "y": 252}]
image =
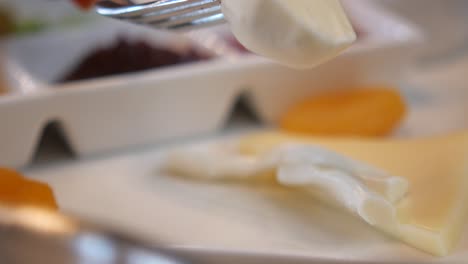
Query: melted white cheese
[{"x": 363, "y": 190}]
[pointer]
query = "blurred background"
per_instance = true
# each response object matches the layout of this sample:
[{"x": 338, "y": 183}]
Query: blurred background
[{"x": 82, "y": 95}]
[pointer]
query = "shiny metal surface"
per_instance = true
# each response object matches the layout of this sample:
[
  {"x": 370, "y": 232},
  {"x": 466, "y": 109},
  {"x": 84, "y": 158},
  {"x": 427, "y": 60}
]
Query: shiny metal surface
[
  {"x": 30, "y": 236},
  {"x": 165, "y": 14}
]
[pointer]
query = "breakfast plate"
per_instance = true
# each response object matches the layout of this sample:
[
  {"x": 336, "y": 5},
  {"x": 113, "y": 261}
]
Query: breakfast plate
[{"x": 235, "y": 222}]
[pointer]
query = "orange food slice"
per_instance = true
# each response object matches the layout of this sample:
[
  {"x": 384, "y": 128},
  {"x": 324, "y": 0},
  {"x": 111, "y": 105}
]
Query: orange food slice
[
  {"x": 15, "y": 190},
  {"x": 357, "y": 112}
]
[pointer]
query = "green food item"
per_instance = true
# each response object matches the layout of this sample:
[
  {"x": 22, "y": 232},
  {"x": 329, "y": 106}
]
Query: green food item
[
  {"x": 29, "y": 26},
  {"x": 9, "y": 24}
]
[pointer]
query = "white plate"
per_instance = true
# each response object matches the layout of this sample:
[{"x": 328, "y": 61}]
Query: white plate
[{"x": 233, "y": 221}]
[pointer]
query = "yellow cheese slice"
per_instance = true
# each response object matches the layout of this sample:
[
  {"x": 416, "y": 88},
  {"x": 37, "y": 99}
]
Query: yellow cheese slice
[{"x": 433, "y": 212}]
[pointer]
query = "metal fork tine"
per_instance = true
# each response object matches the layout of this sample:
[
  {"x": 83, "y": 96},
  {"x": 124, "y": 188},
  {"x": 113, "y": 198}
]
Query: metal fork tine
[
  {"x": 179, "y": 17},
  {"x": 167, "y": 14},
  {"x": 157, "y": 8},
  {"x": 200, "y": 23},
  {"x": 134, "y": 10}
]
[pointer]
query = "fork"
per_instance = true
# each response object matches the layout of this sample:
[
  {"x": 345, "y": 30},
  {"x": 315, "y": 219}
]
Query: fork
[{"x": 165, "y": 14}]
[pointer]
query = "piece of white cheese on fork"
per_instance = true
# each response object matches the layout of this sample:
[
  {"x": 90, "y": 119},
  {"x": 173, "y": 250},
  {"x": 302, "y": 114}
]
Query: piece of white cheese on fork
[
  {"x": 297, "y": 33},
  {"x": 414, "y": 190}
]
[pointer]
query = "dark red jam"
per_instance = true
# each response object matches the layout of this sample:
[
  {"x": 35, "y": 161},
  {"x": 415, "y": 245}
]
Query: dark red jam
[{"x": 125, "y": 56}]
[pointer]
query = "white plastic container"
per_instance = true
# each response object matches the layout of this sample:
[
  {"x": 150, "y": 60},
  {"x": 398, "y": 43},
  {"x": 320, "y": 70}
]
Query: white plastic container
[{"x": 156, "y": 105}]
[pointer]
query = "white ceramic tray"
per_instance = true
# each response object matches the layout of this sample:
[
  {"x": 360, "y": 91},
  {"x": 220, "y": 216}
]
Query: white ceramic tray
[{"x": 152, "y": 106}]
